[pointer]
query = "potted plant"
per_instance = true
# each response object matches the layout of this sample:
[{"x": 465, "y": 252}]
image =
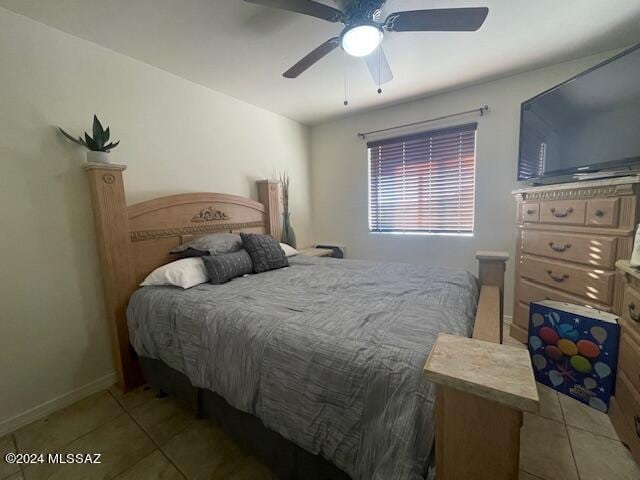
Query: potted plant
[{"x": 97, "y": 146}]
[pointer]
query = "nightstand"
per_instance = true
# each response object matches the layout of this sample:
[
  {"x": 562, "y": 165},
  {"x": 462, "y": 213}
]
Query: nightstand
[{"x": 316, "y": 252}]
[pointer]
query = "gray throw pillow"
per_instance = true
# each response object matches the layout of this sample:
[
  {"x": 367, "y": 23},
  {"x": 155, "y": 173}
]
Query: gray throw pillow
[
  {"x": 212, "y": 244},
  {"x": 265, "y": 252},
  {"x": 227, "y": 266}
]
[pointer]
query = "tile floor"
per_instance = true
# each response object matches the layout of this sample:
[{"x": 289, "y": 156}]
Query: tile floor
[
  {"x": 142, "y": 437},
  {"x": 569, "y": 441}
]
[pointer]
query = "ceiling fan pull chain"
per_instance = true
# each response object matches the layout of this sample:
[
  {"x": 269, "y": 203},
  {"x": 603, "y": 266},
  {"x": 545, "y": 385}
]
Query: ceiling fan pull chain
[
  {"x": 379, "y": 69},
  {"x": 344, "y": 72}
]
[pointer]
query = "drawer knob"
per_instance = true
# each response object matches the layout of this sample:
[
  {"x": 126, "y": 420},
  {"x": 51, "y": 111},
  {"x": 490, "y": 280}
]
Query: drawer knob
[
  {"x": 559, "y": 247},
  {"x": 557, "y": 278},
  {"x": 599, "y": 213},
  {"x": 632, "y": 312},
  {"x": 561, "y": 214},
  {"x": 530, "y": 211}
]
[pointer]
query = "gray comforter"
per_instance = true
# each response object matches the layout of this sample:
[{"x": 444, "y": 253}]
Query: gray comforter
[{"x": 328, "y": 353}]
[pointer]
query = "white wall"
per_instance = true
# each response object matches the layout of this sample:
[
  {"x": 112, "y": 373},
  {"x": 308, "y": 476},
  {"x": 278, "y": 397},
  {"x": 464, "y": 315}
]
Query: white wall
[
  {"x": 176, "y": 137},
  {"x": 339, "y": 172}
]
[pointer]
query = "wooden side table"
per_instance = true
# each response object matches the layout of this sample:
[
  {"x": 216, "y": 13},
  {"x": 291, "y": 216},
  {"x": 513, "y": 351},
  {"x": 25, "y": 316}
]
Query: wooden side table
[
  {"x": 316, "y": 252},
  {"x": 482, "y": 388}
]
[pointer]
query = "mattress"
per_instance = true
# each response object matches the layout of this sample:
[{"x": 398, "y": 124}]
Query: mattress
[{"x": 326, "y": 352}]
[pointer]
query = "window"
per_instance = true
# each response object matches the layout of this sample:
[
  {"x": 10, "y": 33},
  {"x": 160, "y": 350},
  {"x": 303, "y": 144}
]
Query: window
[{"x": 423, "y": 183}]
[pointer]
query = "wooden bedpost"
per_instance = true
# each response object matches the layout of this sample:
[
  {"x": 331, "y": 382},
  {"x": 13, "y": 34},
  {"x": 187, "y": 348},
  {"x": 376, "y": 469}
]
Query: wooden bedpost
[
  {"x": 481, "y": 391},
  {"x": 112, "y": 231},
  {"x": 482, "y": 388},
  {"x": 491, "y": 270},
  {"x": 269, "y": 196}
]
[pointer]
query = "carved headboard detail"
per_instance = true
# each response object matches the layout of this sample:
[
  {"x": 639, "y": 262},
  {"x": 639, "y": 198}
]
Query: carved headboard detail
[
  {"x": 133, "y": 240},
  {"x": 209, "y": 215}
]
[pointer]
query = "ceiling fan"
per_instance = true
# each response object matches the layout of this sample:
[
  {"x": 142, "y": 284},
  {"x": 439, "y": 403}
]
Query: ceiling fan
[{"x": 363, "y": 32}]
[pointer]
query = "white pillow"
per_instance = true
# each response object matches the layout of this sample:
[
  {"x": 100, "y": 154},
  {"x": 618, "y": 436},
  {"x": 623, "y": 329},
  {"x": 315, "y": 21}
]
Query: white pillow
[
  {"x": 289, "y": 251},
  {"x": 185, "y": 273}
]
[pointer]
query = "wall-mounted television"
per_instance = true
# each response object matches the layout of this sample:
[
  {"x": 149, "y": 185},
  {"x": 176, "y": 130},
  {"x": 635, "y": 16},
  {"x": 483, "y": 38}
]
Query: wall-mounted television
[{"x": 589, "y": 123}]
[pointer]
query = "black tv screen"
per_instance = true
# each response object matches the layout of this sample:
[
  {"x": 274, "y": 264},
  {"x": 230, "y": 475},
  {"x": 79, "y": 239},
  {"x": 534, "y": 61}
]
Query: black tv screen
[{"x": 588, "y": 123}]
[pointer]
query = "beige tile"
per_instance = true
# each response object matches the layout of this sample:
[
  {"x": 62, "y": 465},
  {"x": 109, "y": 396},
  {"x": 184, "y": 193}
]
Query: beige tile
[
  {"x": 549, "y": 403},
  {"x": 527, "y": 476},
  {"x": 251, "y": 470},
  {"x": 120, "y": 442},
  {"x": 64, "y": 426},
  {"x": 600, "y": 458},
  {"x": 15, "y": 476},
  {"x": 545, "y": 450},
  {"x": 162, "y": 418},
  {"x": 7, "y": 445},
  {"x": 153, "y": 467},
  {"x": 582, "y": 416},
  {"x": 205, "y": 452},
  {"x": 134, "y": 398}
]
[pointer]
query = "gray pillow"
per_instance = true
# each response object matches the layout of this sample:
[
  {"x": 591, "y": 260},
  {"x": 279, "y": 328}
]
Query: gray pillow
[
  {"x": 265, "y": 252},
  {"x": 227, "y": 266},
  {"x": 212, "y": 244}
]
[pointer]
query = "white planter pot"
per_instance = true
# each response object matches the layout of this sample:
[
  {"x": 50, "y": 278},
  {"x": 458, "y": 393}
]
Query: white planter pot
[{"x": 97, "y": 157}]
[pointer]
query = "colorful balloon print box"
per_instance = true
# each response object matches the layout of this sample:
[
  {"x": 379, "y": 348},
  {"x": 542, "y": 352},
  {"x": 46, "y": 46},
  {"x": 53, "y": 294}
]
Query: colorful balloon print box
[{"x": 574, "y": 350}]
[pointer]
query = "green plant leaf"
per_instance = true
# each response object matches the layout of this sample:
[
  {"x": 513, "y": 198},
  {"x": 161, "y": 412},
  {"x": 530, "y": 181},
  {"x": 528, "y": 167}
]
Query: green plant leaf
[
  {"x": 97, "y": 128},
  {"x": 78, "y": 140},
  {"x": 111, "y": 146},
  {"x": 91, "y": 144},
  {"x": 106, "y": 135},
  {"x": 98, "y": 132}
]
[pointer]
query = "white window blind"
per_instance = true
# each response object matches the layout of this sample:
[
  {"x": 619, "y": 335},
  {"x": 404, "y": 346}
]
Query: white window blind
[{"x": 423, "y": 183}]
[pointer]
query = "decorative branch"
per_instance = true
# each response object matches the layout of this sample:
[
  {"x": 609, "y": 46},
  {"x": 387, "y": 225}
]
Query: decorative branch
[{"x": 285, "y": 182}]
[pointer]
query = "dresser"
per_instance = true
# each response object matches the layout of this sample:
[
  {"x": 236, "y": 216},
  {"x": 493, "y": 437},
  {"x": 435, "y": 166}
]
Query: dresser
[
  {"x": 569, "y": 237},
  {"x": 625, "y": 406}
]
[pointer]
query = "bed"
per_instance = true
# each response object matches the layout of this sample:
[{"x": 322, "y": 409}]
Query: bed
[
  {"x": 346, "y": 386},
  {"x": 323, "y": 358}
]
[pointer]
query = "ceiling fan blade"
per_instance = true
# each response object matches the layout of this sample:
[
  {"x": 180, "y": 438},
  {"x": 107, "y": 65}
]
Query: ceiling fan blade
[
  {"x": 439, "y": 20},
  {"x": 379, "y": 67},
  {"x": 313, "y": 57},
  {"x": 306, "y": 7}
]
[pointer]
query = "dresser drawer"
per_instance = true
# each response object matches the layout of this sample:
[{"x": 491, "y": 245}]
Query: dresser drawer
[
  {"x": 565, "y": 212},
  {"x": 629, "y": 360},
  {"x": 625, "y": 414},
  {"x": 631, "y": 310},
  {"x": 521, "y": 316},
  {"x": 594, "y": 250},
  {"x": 589, "y": 283},
  {"x": 603, "y": 212},
  {"x": 530, "y": 212},
  {"x": 532, "y": 292}
]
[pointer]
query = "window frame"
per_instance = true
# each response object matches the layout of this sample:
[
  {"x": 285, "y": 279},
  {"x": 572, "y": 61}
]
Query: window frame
[{"x": 461, "y": 128}]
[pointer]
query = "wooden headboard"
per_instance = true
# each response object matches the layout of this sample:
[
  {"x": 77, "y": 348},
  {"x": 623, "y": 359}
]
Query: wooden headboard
[
  {"x": 159, "y": 225},
  {"x": 134, "y": 240}
]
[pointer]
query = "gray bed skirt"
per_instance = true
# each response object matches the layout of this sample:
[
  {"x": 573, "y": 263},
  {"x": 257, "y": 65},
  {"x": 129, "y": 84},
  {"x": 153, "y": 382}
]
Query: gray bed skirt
[{"x": 285, "y": 459}]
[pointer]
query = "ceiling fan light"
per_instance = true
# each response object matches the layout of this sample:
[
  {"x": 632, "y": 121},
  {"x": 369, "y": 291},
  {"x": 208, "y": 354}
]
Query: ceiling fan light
[{"x": 362, "y": 40}]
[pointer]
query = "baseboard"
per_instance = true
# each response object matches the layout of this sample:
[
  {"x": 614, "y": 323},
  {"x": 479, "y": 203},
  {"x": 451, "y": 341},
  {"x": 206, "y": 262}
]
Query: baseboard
[{"x": 44, "y": 409}]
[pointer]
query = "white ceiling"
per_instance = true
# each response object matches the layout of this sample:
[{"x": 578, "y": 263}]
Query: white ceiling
[{"x": 242, "y": 49}]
